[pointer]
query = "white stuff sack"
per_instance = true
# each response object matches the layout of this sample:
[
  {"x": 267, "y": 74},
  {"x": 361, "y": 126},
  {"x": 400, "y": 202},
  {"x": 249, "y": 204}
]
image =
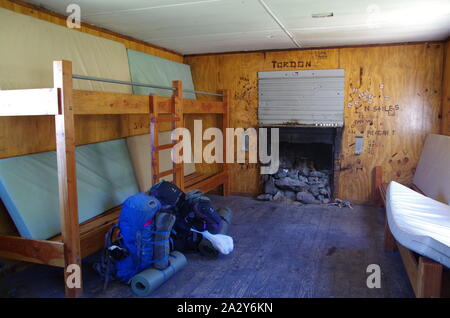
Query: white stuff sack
[{"x": 222, "y": 243}]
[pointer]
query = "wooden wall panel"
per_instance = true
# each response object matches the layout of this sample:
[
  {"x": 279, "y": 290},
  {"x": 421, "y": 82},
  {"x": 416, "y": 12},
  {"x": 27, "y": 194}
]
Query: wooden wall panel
[
  {"x": 24, "y": 135},
  {"x": 238, "y": 73},
  {"x": 445, "y": 127},
  {"x": 392, "y": 100},
  {"x": 399, "y": 105}
]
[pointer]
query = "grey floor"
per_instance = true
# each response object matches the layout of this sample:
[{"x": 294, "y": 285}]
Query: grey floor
[{"x": 281, "y": 250}]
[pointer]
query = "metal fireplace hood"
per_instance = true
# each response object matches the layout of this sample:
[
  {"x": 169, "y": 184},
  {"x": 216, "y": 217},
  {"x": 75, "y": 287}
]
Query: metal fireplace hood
[{"x": 313, "y": 98}]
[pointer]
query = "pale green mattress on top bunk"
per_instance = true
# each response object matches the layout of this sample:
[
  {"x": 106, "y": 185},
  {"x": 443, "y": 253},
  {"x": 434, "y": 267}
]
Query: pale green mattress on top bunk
[{"x": 29, "y": 186}]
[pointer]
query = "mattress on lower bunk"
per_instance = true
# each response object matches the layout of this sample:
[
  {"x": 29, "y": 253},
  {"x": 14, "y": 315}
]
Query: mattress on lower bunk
[
  {"x": 419, "y": 223},
  {"x": 29, "y": 186}
]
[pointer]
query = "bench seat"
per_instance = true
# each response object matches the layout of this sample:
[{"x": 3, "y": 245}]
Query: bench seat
[{"x": 419, "y": 223}]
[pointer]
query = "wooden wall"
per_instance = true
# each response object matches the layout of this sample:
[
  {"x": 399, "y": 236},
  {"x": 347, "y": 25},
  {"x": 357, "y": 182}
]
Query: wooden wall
[
  {"x": 404, "y": 80},
  {"x": 392, "y": 99},
  {"x": 445, "y": 128}
]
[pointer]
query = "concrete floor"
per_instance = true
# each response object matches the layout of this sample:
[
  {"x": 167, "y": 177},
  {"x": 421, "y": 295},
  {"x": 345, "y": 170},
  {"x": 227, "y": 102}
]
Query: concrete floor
[{"x": 281, "y": 250}]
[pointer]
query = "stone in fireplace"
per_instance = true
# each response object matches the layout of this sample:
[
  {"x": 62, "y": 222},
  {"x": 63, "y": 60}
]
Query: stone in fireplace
[{"x": 307, "y": 161}]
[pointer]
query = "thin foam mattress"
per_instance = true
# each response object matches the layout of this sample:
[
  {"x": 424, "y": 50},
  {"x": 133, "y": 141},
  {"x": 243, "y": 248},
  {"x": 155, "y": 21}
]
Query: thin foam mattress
[
  {"x": 419, "y": 223},
  {"x": 29, "y": 186}
]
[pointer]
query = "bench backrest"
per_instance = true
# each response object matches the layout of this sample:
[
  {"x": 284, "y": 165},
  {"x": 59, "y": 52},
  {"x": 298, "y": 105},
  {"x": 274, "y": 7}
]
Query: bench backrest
[{"x": 433, "y": 171}]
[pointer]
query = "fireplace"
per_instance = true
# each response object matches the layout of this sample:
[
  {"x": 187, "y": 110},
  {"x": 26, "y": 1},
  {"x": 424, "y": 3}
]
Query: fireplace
[
  {"x": 308, "y": 161},
  {"x": 308, "y": 108}
]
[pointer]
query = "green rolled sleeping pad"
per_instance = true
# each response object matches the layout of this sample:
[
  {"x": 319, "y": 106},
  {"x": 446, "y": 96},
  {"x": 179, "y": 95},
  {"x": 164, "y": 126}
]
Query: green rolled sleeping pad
[
  {"x": 205, "y": 247},
  {"x": 144, "y": 283}
]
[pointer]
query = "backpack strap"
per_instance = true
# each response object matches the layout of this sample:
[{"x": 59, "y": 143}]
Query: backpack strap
[
  {"x": 105, "y": 267},
  {"x": 196, "y": 195}
]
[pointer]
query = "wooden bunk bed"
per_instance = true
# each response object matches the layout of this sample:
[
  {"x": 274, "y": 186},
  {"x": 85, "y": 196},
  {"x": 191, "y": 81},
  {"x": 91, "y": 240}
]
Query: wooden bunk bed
[{"x": 62, "y": 101}]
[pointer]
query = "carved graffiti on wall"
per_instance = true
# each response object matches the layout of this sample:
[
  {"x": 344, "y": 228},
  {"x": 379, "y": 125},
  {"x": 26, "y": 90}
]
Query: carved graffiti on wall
[
  {"x": 291, "y": 64},
  {"x": 389, "y": 109},
  {"x": 321, "y": 55}
]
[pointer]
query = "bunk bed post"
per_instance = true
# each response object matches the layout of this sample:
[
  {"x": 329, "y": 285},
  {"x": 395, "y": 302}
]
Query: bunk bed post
[
  {"x": 67, "y": 179},
  {"x": 178, "y": 176},
  {"x": 225, "y": 125},
  {"x": 154, "y": 136}
]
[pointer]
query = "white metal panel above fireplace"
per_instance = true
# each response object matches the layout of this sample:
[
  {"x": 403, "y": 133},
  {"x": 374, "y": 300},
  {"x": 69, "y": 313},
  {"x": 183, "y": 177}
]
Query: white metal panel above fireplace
[{"x": 303, "y": 98}]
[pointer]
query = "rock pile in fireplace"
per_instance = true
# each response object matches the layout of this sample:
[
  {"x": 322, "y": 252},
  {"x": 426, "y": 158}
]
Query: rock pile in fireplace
[{"x": 304, "y": 185}]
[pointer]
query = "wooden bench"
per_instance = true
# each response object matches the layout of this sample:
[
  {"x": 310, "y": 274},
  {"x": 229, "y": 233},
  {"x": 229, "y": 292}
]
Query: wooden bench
[{"x": 428, "y": 278}]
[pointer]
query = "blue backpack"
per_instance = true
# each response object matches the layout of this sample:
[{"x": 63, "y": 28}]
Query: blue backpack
[
  {"x": 132, "y": 252},
  {"x": 193, "y": 210}
]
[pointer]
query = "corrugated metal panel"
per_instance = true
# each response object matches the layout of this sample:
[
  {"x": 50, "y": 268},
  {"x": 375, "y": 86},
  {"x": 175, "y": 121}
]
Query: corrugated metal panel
[{"x": 312, "y": 98}]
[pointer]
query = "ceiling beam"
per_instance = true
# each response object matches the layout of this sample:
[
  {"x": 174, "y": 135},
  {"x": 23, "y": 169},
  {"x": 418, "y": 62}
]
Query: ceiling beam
[{"x": 280, "y": 24}]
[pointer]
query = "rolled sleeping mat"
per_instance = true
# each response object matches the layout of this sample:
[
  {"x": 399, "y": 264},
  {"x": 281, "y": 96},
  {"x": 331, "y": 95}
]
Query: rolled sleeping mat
[
  {"x": 144, "y": 283},
  {"x": 163, "y": 225},
  {"x": 205, "y": 247}
]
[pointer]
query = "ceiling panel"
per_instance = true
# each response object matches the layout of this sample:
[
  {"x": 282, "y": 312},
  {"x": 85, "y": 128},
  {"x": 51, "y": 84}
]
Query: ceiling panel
[
  {"x": 241, "y": 41},
  {"x": 107, "y": 7},
  {"x": 364, "y": 21},
  {"x": 207, "y": 26},
  {"x": 363, "y": 37},
  {"x": 198, "y": 18}
]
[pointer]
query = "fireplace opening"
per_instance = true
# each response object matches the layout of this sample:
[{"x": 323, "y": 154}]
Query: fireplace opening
[
  {"x": 308, "y": 157},
  {"x": 315, "y": 156}
]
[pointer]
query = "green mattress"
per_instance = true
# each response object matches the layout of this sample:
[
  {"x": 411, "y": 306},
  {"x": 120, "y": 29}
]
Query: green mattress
[{"x": 29, "y": 186}]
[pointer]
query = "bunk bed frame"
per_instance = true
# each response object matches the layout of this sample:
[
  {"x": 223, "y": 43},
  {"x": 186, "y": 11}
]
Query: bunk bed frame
[{"x": 62, "y": 101}]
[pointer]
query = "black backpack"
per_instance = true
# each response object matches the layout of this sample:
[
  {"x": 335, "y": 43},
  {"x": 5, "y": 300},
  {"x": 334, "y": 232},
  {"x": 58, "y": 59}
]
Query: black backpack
[
  {"x": 196, "y": 212},
  {"x": 168, "y": 194},
  {"x": 192, "y": 210}
]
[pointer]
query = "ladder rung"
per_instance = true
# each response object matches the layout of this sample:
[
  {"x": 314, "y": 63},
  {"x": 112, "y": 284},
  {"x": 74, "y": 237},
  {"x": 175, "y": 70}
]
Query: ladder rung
[
  {"x": 162, "y": 147},
  {"x": 164, "y": 119},
  {"x": 163, "y": 174}
]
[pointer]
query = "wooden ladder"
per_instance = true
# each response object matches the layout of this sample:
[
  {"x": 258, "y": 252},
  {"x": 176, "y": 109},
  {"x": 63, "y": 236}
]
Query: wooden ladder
[{"x": 176, "y": 118}]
